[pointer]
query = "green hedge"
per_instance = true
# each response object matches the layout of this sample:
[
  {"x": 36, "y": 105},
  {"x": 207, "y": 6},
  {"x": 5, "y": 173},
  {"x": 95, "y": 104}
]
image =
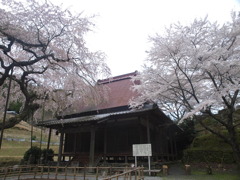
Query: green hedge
[{"x": 213, "y": 156}]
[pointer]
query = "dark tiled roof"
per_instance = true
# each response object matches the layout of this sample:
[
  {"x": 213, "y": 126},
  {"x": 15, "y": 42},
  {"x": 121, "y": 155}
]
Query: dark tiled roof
[{"x": 92, "y": 118}]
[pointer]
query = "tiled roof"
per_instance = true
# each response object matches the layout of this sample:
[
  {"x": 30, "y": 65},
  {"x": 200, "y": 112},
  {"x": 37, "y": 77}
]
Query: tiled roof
[
  {"x": 91, "y": 118},
  {"x": 116, "y": 92},
  {"x": 120, "y": 92}
]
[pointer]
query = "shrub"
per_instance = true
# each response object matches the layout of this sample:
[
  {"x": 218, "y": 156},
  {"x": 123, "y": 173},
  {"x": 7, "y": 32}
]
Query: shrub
[
  {"x": 32, "y": 155},
  {"x": 209, "y": 148},
  {"x": 34, "y": 137},
  {"x": 203, "y": 155},
  {"x": 47, "y": 155}
]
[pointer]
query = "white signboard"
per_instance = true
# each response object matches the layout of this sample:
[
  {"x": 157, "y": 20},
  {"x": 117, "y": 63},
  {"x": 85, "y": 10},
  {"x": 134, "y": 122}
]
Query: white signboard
[{"x": 142, "y": 150}]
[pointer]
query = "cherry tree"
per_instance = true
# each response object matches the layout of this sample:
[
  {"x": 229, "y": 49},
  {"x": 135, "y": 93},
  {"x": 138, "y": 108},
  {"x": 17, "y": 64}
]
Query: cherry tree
[
  {"x": 44, "y": 53},
  {"x": 193, "y": 71}
]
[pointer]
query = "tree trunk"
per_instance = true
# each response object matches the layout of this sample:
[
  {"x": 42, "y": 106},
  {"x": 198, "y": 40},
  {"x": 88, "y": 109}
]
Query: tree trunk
[
  {"x": 236, "y": 153},
  {"x": 230, "y": 138},
  {"x": 235, "y": 146}
]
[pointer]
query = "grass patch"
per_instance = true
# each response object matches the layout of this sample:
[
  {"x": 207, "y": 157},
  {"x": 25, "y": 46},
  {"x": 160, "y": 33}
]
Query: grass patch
[
  {"x": 13, "y": 151},
  {"x": 13, "y": 148},
  {"x": 23, "y": 131},
  {"x": 9, "y": 161}
]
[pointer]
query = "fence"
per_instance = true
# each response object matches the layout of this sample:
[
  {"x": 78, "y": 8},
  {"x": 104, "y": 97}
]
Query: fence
[{"x": 70, "y": 173}]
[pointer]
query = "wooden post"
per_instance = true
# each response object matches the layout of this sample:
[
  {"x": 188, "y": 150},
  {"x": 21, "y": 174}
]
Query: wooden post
[
  {"x": 19, "y": 172},
  {"x": 56, "y": 172},
  {"x": 130, "y": 176},
  {"x": 92, "y": 147},
  {"x": 74, "y": 175},
  {"x": 60, "y": 148},
  {"x": 187, "y": 169},
  {"x": 165, "y": 170},
  {"x": 49, "y": 138},
  {"x": 65, "y": 172},
  {"x": 84, "y": 173},
  {"x": 139, "y": 173},
  {"x": 35, "y": 172},
  {"x": 135, "y": 173},
  {"x": 6, "y": 172},
  {"x": 41, "y": 172},
  {"x": 48, "y": 171},
  {"x": 97, "y": 173}
]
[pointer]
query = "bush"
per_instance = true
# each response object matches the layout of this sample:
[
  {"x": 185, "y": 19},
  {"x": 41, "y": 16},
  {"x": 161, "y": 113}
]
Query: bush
[
  {"x": 32, "y": 155},
  {"x": 47, "y": 155},
  {"x": 203, "y": 155},
  {"x": 34, "y": 138},
  {"x": 209, "y": 148},
  {"x": 35, "y": 155}
]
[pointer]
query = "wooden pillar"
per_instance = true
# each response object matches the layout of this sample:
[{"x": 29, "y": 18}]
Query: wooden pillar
[
  {"x": 60, "y": 147},
  {"x": 167, "y": 144},
  {"x": 49, "y": 138},
  {"x": 175, "y": 146},
  {"x": 161, "y": 142},
  {"x": 157, "y": 143},
  {"x": 140, "y": 130},
  {"x": 92, "y": 147},
  {"x": 171, "y": 146},
  {"x": 105, "y": 145},
  {"x": 75, "y": 143},
  {"x": 148, "y": 131},
  {"x": 148, "y": 135}
]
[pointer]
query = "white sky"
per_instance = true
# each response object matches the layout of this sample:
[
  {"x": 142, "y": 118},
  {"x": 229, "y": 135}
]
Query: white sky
[{"x": 123, "y": 26}]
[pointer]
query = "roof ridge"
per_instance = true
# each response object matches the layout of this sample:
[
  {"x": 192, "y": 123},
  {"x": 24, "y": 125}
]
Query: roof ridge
[{"x": 117, "y": 78}]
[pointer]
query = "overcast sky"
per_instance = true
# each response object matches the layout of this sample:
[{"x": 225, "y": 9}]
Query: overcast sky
[{"x": 123, "y": 26}]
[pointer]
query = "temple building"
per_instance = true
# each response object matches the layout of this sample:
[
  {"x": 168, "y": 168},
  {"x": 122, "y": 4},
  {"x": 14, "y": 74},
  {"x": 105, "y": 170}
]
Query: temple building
[{"x": 106, "y": 131}]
